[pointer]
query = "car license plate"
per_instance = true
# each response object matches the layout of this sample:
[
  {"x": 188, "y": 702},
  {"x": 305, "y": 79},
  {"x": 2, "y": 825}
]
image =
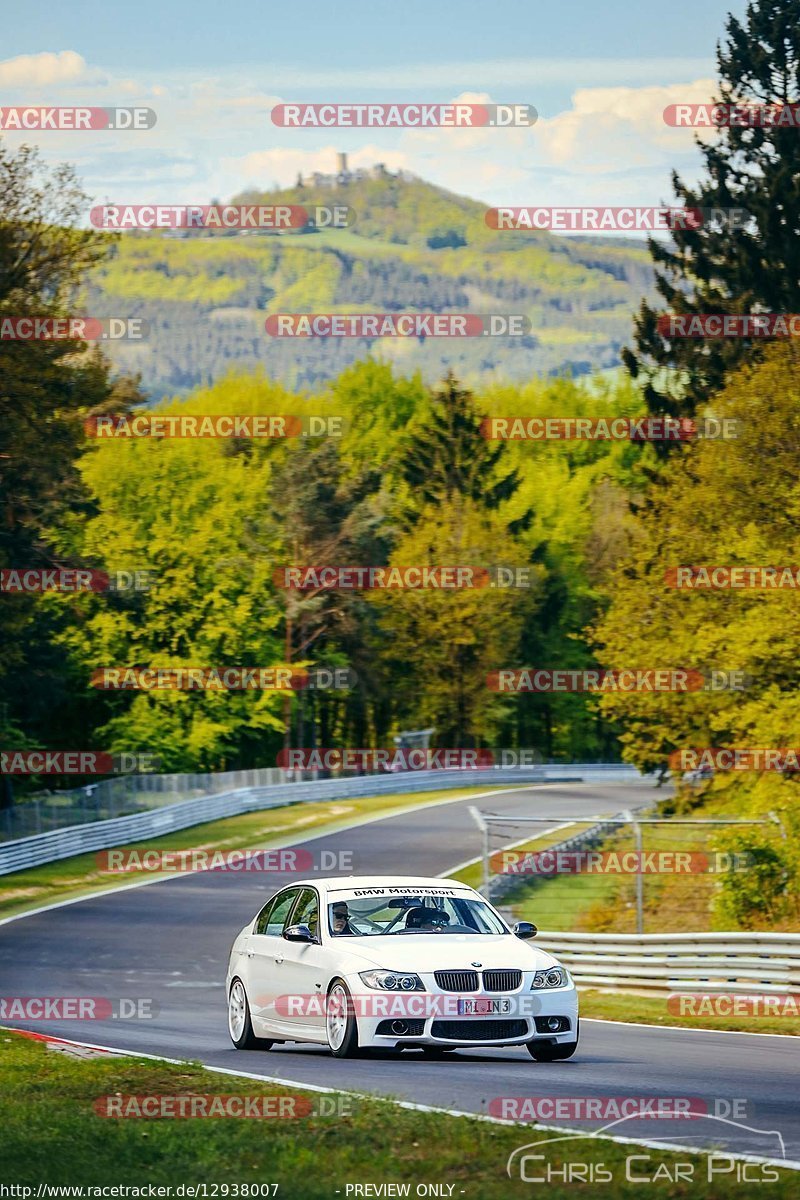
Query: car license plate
[{"x": 480, "y": 1007}]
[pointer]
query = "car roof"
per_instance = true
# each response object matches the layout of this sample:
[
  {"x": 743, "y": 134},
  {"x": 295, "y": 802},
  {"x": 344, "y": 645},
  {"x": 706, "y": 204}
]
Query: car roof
[{"x": 346, "y": 883}]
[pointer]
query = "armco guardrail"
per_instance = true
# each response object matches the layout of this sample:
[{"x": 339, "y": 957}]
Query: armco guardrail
[
  {"x": 680, "y": 962},
  {"x": 124, "y": 795},
  {"x": 103, "y": 835}
]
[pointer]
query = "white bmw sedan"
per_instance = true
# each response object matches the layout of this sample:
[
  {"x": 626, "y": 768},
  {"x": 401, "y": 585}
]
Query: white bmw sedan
[{"x": 395, "y": 962}]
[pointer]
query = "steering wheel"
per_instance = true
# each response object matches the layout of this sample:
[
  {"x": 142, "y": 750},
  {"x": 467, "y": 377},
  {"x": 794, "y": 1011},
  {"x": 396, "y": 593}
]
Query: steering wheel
[{"x": 360, "y": 922}]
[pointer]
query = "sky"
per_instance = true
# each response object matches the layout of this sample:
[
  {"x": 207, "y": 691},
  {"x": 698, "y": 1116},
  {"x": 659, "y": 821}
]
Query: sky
[{"x": 599, "y": 75}]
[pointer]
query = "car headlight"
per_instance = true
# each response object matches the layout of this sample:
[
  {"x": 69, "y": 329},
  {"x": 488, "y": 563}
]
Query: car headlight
[
  {"x": 553, "y": 977},
  {"x": 392, "y": 981}
]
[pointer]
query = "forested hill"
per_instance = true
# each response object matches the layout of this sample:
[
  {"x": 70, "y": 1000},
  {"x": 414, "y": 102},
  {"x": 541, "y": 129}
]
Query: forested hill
[{"x": 413, "y": 247}]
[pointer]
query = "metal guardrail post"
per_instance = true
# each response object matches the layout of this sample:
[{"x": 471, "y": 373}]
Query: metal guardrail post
[
  {"x": 637, "y": 833},
  {"x": 477, "y": 817}
]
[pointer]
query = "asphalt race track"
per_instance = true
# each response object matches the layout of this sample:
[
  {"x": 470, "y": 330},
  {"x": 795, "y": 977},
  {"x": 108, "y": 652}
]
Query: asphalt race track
[{"x": 170, "y": 941}]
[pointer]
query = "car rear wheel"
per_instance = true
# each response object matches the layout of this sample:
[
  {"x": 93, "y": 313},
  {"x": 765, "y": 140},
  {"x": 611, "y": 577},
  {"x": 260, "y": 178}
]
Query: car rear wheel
[
  {"x": 544, "y": 1051},
  {"x": 340, "y": 1021},
  {"x": 240, "y": 1027}
]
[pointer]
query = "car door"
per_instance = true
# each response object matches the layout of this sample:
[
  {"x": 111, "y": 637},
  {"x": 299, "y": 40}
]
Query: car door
[
  {"x": 303, "y": 973},
  {"x": 265, "y": 954}
]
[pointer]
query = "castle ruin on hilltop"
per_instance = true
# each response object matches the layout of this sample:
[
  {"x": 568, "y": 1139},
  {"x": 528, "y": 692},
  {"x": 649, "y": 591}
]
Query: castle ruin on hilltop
[{"x": 343, "y": 175}]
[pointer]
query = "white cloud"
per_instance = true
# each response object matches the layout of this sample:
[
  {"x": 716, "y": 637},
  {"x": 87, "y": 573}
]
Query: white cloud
[
  {"x": 46, "y": 69},
  {"x": 607, "y": 127},
  {"x": 611, "y": 146}
]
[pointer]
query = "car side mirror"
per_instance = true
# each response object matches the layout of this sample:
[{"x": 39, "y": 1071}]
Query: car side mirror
[
  {"x": 524, "y": 929},
  {"x": 299, "y": 933}
]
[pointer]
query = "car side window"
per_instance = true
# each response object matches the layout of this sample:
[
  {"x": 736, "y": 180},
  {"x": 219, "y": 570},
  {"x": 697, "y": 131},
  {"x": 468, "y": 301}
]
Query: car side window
[
  {"x": 273, "y": 915},
  {"x": 306, "y": 911}
]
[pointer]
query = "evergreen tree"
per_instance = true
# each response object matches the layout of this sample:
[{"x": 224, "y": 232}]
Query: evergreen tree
[
  {"x": 46, "y": 388},
  {"x": 717, "y": 267},
  {"x": 450, "y": 459}
]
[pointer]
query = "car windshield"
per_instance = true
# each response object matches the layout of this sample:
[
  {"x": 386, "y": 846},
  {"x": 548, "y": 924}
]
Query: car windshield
[{"x": 407, "y": 914}]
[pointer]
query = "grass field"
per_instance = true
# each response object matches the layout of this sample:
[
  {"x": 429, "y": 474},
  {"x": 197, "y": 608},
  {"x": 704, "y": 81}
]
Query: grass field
[
  {"x": 320, "y": 1145},
  {"x": 652, "y": 1010}
]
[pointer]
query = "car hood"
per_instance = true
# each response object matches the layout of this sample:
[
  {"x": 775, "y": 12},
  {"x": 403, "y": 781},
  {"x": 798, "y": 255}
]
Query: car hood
[{"x": 445, "y": 952}]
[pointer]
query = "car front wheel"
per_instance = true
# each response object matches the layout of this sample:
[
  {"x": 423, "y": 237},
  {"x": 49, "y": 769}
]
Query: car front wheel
[
  {"x": 544, "y": 1051},
  {"x": 340, "y": 1021},
  {"x": 240, "y": 1027}
]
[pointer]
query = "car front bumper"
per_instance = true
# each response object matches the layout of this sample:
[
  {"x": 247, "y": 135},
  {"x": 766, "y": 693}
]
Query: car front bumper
[{"x": 432, "y": 1019}]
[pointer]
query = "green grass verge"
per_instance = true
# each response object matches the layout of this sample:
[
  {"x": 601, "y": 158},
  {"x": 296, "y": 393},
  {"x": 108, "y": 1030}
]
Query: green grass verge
[
  {"x": 81, "y": 875},
  {"x": 52, "y": 1134},
  {"x": 561, "y": 902},
  {"x": 652, "y": 1010}
]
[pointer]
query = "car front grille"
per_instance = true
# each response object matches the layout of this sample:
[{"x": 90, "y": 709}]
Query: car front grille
[
  {"x": 456, "y": 981},
  {"x": 479, "y": 1031},
  {"x": 501, "y": 981}
]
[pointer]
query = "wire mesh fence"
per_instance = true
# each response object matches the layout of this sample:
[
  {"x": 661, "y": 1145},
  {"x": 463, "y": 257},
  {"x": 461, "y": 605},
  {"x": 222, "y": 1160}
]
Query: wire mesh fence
[
  {"x": 613, "y": 873},
  {"x": 121, "y": 796}
]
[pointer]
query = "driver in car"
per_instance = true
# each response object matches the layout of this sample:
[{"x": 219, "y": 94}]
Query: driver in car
[
  {"x": 340, "y": 918},
  {"x": 427, "y": 919}
]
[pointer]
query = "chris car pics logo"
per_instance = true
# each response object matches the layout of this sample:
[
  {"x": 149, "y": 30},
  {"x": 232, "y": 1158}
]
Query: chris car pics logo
[{"x": 552, "y": 1160}]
